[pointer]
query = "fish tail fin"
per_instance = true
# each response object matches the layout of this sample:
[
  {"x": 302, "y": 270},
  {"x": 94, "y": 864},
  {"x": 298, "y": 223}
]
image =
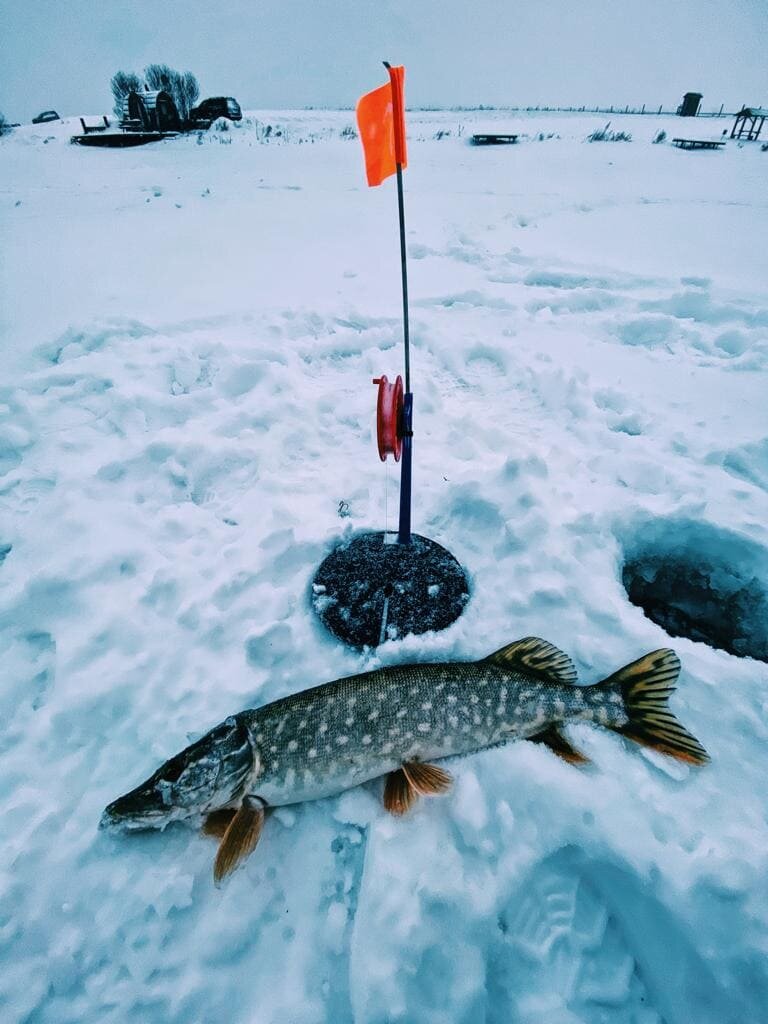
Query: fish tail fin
[{"x": 646, "y": 685}]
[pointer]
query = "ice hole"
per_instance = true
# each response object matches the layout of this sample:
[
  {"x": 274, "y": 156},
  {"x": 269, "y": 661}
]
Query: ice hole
[{"x": 701, "y": 582}]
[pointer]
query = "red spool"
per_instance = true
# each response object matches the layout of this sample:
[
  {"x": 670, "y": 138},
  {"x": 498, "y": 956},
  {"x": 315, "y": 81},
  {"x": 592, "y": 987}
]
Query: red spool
[{"x": 389, "y": 411}]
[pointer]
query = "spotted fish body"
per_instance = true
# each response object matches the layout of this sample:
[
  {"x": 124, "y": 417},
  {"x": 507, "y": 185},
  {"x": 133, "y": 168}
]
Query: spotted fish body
[
  {"x": 395, "y": 722},
  {"x": 339, "y": 735}
]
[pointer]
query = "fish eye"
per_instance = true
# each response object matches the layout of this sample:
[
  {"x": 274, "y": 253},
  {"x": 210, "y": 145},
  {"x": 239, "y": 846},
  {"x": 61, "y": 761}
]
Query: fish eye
[{"x": 174, "y": 769}]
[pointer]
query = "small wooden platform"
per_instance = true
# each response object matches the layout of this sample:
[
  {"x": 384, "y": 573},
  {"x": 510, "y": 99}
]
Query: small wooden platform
[
  {"x": 88, "y": 128},
  {"x": 112, "y": 140},
  {"x": 493, "y": 140},
  {"x": 697, "y": 143}
]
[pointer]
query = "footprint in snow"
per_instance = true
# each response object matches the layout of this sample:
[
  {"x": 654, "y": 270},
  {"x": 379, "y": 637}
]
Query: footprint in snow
[{"x": 585, "y": 941}]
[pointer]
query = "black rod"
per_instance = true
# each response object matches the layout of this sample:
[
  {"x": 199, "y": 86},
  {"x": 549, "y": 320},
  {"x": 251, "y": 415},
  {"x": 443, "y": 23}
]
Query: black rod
[
  {"x": 404, "y": 272},
  {"x": 403, "y": 267},
  {"x": 406, "y": 424}
]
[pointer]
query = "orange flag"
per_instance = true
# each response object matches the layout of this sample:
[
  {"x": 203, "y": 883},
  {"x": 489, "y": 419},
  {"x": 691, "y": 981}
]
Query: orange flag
[{"x": 381, "y": 122}]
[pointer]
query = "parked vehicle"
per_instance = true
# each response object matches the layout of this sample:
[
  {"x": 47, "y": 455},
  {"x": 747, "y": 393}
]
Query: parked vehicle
[
  {"x": 47, "y": 115},
  {"x": 205, "y": 113}
]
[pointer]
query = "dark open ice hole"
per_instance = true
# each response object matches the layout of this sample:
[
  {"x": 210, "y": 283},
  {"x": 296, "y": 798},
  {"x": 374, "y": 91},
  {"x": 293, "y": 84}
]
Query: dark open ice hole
[{"x": 701, "y": 582}]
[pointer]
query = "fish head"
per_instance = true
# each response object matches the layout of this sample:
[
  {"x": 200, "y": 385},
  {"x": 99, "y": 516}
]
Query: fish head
[{"x": 209, "y": 774}]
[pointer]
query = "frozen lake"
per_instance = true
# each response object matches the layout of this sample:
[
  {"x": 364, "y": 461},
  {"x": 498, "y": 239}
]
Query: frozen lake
[{"x": 189, "y": 331}]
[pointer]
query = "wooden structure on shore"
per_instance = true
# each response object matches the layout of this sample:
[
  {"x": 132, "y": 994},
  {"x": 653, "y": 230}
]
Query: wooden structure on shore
[
  {"x": 749, "y": 123},
  {"x": 119, "y": 140},
  {"x": 88, "y": 128},
  {"x": 698, "y": 143},
  {"x": 147, "y": 117},
  {"x": 493, "y": 140},
  {"x": 150, "y": 112}
]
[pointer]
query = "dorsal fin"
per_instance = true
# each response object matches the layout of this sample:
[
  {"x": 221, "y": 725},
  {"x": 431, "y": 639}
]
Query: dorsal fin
[{"x": 537, "y": 658}]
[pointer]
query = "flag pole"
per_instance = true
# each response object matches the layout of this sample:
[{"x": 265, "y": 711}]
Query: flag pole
[
  {"x": 404, "y": 271},
  {"x": 406, "y": 427},
  {"x": 366, "y": 590}
]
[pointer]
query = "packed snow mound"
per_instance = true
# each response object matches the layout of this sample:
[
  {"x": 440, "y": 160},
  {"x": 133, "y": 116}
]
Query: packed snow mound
[{"x": 189, "y": 334}]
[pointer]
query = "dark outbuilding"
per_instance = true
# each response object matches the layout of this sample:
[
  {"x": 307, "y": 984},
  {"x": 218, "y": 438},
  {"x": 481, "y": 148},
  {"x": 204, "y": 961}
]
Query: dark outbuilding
[{"x": 690, "y": 105}]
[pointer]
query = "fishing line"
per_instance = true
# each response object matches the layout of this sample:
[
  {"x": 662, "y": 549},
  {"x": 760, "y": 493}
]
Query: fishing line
[
  {"x": 384, "y": 616},
  {"x": 385, "y": 609},
  {"x": 386, "y": 500}
]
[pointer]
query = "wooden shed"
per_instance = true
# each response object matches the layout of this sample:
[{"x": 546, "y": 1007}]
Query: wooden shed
[
  {"x": 749, "y": 123},
  {"x": 690, "y": 105},
  {"x": 150, "y": 112}
]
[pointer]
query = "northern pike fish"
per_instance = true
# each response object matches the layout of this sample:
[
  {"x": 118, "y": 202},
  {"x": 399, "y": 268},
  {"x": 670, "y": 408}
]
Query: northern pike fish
[{"x": 396, "y": 722}]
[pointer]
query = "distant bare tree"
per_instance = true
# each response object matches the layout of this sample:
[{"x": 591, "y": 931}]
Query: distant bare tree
[
  {"x": 124, "y": 82},
  {"x": 159, "y": 76},
  {"x": 181, "y": 86},
  {"x": 4, "y": 126},
  {"x": 190, "y": 90}
]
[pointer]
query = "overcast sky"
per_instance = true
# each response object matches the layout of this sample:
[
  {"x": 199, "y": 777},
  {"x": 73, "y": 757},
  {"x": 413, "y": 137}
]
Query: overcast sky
[{"x": 297, "y": 53}]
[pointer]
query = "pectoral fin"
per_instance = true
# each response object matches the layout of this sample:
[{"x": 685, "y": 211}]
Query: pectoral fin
[
  {"x": 240, "y": 838},
  {"x": 399, "y": 794},
  {"x": 414, "y": 779},
  {"x": 558, "y": 744},
  {"x": 217, "y": 822},
  {"x": 427, "y": 779}
]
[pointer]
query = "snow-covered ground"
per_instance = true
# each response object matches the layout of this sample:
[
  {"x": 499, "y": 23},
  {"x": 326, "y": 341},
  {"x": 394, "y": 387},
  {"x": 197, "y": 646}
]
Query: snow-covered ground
[{"x": 188, "y": 333}]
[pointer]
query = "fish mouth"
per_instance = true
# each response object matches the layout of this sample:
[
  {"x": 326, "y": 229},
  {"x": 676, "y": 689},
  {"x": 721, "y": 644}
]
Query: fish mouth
[
  {"x": 211, "y": 772},
  {"x": 119, "y": 816}
]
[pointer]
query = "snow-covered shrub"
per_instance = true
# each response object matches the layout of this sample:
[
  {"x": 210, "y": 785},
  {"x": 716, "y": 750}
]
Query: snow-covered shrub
[
  {"x": 269, "y": 131},
  {"x": 599, "y": 134},
  {"x": 348, "y": 132},
  {"x": 221, "y": 124},
  {"x": 659, "y": 137},
  {"x": 605, "y": 135},
  {"x": 4, "y": 126}
]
